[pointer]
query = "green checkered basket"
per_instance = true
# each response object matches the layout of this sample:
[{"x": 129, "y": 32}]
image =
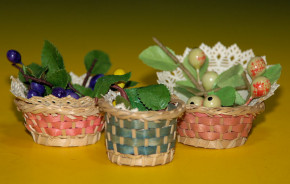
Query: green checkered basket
[{"x": 143, "y": 138}]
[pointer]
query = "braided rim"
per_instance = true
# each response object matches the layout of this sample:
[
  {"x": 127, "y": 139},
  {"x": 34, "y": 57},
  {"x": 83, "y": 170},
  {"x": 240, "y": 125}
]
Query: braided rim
[{"x": 144, "y": 115}]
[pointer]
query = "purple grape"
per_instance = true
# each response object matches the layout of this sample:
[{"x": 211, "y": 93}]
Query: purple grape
[
  {"x": 58, "y": 92},
  {"x": 32, "y": 93},
  {"x": 72, "y": 93},
  {"x": 94, "y": 80},
  {"x": 37, "y": 87},
  {"x": 14, "y": 56}
]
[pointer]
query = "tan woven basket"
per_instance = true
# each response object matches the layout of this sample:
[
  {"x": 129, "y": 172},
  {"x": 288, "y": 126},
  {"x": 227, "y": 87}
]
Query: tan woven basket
[
  {"x": 217, "y": 128},
  {"x": 144, "y": 138},
  {"x": 62, "y": 122}
]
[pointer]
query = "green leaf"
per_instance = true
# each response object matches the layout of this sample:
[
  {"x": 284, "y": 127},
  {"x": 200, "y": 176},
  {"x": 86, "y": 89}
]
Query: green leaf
[
  {"x": 103, "y": 84},
  {"x": 239, "y": 99},
  {"x": 58, "y": 78},
  {"x": 231, "y": 77},
  {"x": 103, "y": 62},
  {"x": 134, "y": 99},
  {"x": 184, "y": 91},
  {"x": 131, "y": 84},
  {"x": 48, "y": 90},
  {"x": 154, "y": 97},
  {"x": 203, "y": 68},
  {"x": 120, "y": 100},
  {"x": 273, "y": 73},
  {"x": 36, "y": 70},
  {"x": 83, "y": 90},
  {"x": 21, "y": 77},
  {"x": 51, "y": 57},
  {"x": 187, "y": 83},
  {"x": 227, "y": 95},
  {"x": 156, "y": 58}
]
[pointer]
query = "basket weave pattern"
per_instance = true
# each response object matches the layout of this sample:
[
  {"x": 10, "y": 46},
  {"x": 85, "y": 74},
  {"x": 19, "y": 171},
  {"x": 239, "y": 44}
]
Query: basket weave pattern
[
  {"x": 141, "y": 138},
  {"x": 61, "y": 122},
  {"x": 217, "y": 128}
]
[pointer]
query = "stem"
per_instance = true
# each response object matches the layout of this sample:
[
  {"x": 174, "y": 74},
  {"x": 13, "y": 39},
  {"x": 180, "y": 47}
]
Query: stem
[
  {"x": 244, "y": 75},
  {"x": 181, "y": 66},
  {"x": 89, "y": 72},
  {"x": 216, "y": 89},
  {"x": 250, "y": 99},
  {"x": 121, "y": 90},
  {"x": 71, "y": 87},
  {"x": 41, "y": 81},
  {"x": 197, "y": 74}
]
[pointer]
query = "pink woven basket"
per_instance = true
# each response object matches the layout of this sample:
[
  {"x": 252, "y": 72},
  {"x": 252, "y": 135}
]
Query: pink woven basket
[{"x": 218, "y": 128}]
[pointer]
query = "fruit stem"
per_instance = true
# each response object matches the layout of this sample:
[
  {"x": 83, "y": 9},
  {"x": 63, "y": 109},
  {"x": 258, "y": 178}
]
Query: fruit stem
[
  {"x": 250, "y": 99},
  {"x": 89, "y": 72},
  {"x": 216, "y": 89},
  {"x": 71, "y": 87},
  {"x": 121, "y": 90},
  {"x": 41, "y": 81},
  {"x": 181, "y": 66},
  {"x": 244, "y": 75}
]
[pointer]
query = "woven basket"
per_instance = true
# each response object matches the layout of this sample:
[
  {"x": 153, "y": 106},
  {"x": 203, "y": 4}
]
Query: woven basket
[
  {"x": 217, "y": 128},
  {"x": 144, "y": 138},
  {"x": 61, "y": 122}
]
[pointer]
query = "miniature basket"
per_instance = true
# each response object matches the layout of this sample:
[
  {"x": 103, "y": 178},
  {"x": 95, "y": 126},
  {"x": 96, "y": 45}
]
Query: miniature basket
[
  {"x": 61, "y": 122},
  {"x": 218, "y": 128},
  {"x": 144, "y": 138}
]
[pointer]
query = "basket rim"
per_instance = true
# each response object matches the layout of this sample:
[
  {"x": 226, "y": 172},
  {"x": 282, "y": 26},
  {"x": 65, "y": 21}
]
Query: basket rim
[
  {"x": 234, "y": 111},
  {"x": 143, "y": 115}
]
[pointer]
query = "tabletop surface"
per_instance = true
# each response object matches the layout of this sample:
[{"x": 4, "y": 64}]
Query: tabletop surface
[{"x": 123, "y": 29}]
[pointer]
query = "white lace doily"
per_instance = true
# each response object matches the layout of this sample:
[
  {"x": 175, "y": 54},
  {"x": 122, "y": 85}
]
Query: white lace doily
[{"x": 221, "y": 58}]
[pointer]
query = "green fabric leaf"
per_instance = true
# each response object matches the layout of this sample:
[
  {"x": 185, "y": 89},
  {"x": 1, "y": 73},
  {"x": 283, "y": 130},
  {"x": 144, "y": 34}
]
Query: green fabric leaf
[
  {"x": 51, "y": 57},
  {"x": 131, "y": 84},
  {"x": 103, "y": 84},
  {"x": 227, "y": 95},
  {"x": 48, "y": 90},
  {"x": 36, "y": 70},
  {"x": 203, "y": 68},
  {"x": 21, "y": 77},
  {"x": 120, "y": 100},
  {"x": 239, "y": 99},
  {"x": 58, "y": 78},
  {"x": 231, "y": 77},
  {"x": 273, "y": 73},
  {"x": 134, "y": 99},
  {"x": 154, "y": 97},
  {"x": 83, "y": 90},
  {"x": 187, "y": 83},
  {"x": 156, "y": 58},
  {"x": 103, "y": 62},
  {"x": 184, "y": 91}
]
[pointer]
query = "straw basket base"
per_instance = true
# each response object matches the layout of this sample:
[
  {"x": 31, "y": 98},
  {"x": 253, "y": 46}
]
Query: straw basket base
[
  {"x": 216, "y": 144},
  {"x": 66, "y": 141},
  {"x": 141, "y": 160}
]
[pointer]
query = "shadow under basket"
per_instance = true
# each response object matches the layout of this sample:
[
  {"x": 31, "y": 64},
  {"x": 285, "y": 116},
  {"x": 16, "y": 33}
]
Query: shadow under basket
[
  {"x": 143, "y": 138},
  {"x": 217, "y": 128},
  {"x": 64, "y": 122}
]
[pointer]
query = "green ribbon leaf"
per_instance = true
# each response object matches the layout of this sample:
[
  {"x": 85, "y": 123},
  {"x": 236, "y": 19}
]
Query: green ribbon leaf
[
  {"x": 130, "y": 84},
  {"x": 58, "y": 78},
  {"x": 273, "y": 73},
  {"x": 184, "y": 91},
  {"x": 134, "y": 99},
  {"x": 239, "y": 99},
  {"x": 227, "y": 95},
  {"x": 83, "y": 90},
  {"x": 48, "y": 90},
  {"x": 154, "y": 97},
  {"x": 37, "y": 70},
  {"x": 156, "y": 58},
  {"x": 102, "y": 65},
  {"x": 186, "y": 83},
  {"x": 231, "y": 77},
  {"x": 122, "y": 100},
  {"x": 51, "y": 57},
  {"x": 103, "y": 84}
]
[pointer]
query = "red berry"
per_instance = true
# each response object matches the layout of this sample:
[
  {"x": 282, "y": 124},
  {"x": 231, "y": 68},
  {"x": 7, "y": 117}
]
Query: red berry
[
  {"x": 260, "y": 87},
  {"x": 256, "y": 67}
]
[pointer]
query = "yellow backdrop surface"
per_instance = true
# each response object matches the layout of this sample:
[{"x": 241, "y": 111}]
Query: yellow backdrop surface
[{"x": 123, "y": 29}]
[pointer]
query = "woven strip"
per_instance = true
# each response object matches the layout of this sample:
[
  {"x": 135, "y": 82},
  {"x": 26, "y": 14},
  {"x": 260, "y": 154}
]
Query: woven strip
[
  {"x": 217, "y": 128},
  {"x": 141, "y": 160},
  {"x": 144, "y": 138},
  {"x": 62, "y": 122}
]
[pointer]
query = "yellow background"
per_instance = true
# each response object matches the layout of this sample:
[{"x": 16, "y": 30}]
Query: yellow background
[{"x": 123, "y": 29}]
